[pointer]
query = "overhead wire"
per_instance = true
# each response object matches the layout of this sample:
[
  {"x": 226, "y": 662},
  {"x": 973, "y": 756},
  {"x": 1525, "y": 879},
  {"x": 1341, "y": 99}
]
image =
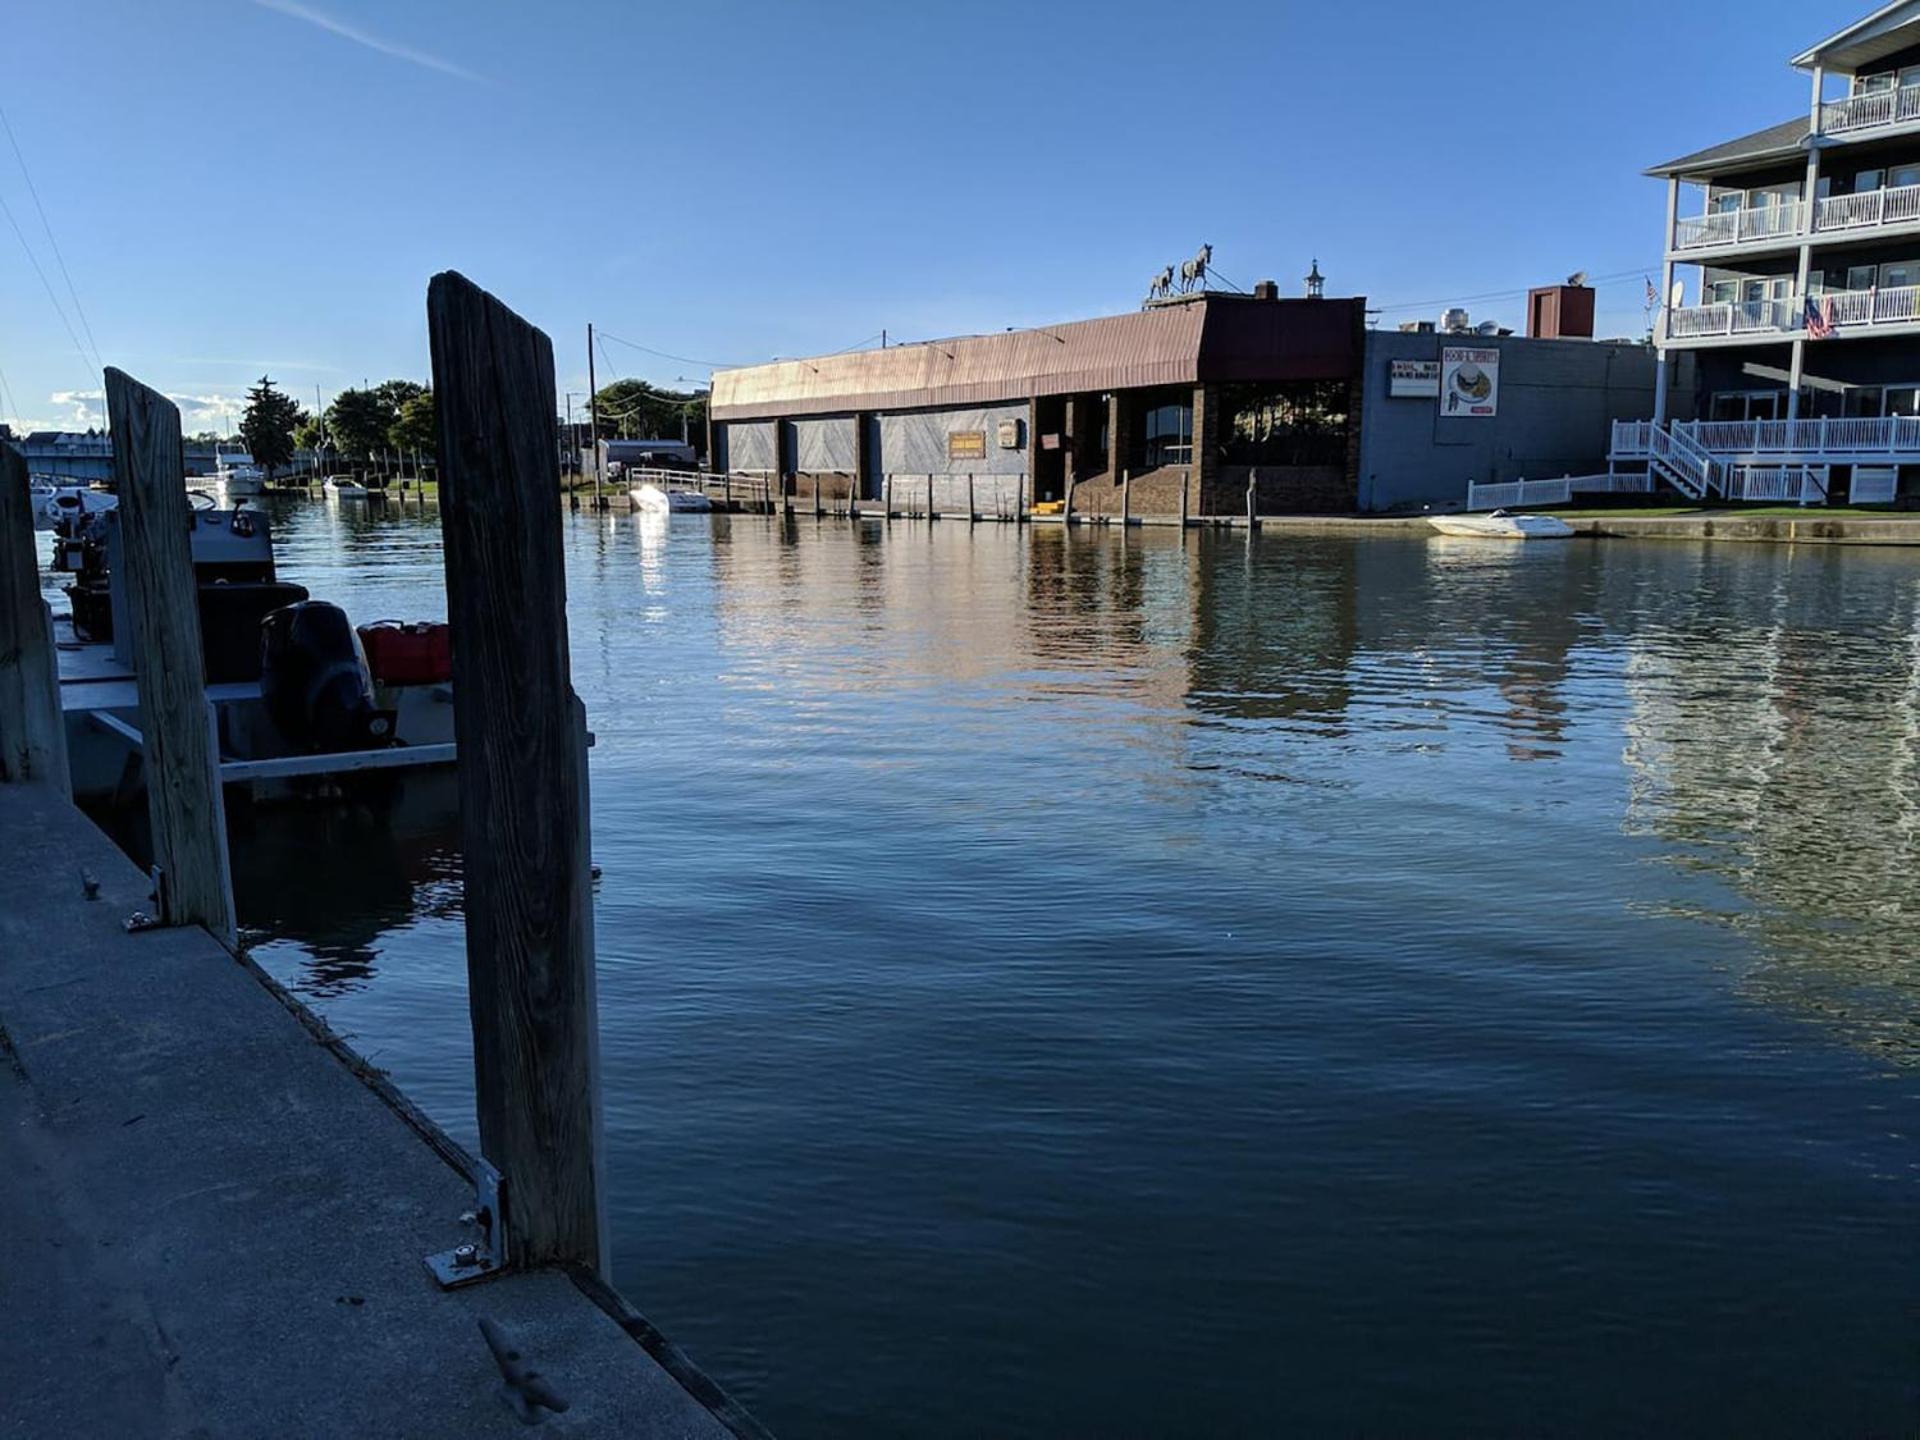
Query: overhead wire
[
  {"x": 665, "y": 355},
  {"x": 47, "y": 225},
  {"x": 1520, "y": 294}
]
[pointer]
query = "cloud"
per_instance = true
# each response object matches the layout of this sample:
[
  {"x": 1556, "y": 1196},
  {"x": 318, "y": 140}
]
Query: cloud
[
  {"x": 84, "y": 409},
  {"x": 372, "y": 42}
]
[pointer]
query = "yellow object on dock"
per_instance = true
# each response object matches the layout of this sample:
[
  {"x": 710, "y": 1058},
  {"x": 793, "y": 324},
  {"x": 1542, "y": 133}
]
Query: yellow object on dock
[{"x": 1047, "y": 507}]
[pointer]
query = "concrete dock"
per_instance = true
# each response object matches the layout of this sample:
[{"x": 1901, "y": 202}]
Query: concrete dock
[{"x": 215, "y": 1215}]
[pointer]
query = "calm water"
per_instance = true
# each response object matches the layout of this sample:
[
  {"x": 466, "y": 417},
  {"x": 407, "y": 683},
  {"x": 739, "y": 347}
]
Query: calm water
[{"x": 1117, "y": 987}]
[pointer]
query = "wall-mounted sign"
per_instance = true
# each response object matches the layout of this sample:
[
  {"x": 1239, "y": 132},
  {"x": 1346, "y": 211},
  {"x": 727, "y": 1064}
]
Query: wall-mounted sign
[
  {"x": 1009, "y": 434},
  {"x": 1469, "y": 382},
  {"x": 966, "y": 444},
  {"x": 1413, "y": 379}
]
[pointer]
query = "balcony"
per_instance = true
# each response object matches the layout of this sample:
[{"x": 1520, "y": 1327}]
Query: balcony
[
  {"x": 1881, "y": 110},
  {"x": 1899, "y": 206},
  {"x": 1754, "y": 318},
  {"x": 1740, "y": 227},
  {"x": 1850, "y": 312}
]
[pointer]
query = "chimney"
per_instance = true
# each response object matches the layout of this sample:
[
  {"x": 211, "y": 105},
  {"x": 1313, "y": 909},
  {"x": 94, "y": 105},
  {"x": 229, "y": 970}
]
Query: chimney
[
  {"x": 1560, "y": 312},
  {"x": 1266, "y": 290}
]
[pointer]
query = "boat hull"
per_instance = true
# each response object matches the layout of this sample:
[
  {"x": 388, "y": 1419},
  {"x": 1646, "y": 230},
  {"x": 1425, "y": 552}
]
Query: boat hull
[
  {"x": 1502, "y": 527},
  {"x": 659, "y": 500}
]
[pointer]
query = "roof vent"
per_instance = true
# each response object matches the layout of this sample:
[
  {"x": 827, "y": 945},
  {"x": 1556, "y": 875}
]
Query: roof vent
[{"x": 1266, "y": 290}]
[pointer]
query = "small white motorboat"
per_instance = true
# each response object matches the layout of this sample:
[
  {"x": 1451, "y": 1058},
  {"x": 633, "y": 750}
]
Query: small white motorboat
[
  {"x": 666, "y": 500},
  {"x": 237, "y": 475},
  {"x": 1502, "y": 525},
  {"x": 344, "y": 487}
]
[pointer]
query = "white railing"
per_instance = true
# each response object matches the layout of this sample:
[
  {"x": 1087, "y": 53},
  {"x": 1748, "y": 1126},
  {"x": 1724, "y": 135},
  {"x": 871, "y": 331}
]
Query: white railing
[
  {"x": 1693, "y": 468},
  {"x": 1739, "y": 227},
  {"x": 1748, "y": 317},
  {"x": 1794, "y": 484},
  {"x": 739, "y": 486},
  {"x": 1898, "y": 206},
  {"x": 1895, "y": 435},
  {"x": 1870, "y": 112},
  {"x": 1632, "y": 439},
  {"x": 1509, "y": 494}
]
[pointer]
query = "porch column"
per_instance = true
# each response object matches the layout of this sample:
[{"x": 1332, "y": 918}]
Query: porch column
[
  {"x": 1119, "y": 433},
  {"x": 1663, "y": 318},
  {"x": 1797, "y": 374}
]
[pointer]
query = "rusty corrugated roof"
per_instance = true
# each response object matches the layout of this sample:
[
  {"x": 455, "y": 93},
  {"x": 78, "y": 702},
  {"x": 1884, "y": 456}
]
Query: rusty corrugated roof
[{"x": 1164, "y": 345}]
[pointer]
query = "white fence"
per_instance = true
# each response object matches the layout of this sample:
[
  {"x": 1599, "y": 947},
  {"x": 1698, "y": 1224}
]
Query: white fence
[
  {"x": 1520, "y": 494},
  {"x": 1874, "y": 485},
  {"x": 1793, "y": 484},
  {"x": 1870, "y": 112},
  {"x": 1738, "y": 227}
]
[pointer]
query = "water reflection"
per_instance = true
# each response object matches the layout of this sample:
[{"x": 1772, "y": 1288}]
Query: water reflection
[{"x": 1389, "y": 964}]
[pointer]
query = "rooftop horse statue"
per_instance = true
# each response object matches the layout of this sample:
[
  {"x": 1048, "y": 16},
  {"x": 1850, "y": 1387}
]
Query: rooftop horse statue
[
  {"x": 1162, "y": 285},
  {"x": 1193, "y": 273}
]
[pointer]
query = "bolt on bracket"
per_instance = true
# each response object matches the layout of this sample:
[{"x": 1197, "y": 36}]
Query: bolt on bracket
[{"x": 485, "y": 1256}]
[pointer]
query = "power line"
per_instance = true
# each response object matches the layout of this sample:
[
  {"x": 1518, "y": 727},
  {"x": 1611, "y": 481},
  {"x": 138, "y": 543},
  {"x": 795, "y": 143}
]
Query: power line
[
  {"x": 1620, "y": 278},
  {"x": 662, "y": 354},
  {"x": 80, "y": 350},
  {"x": 47, "y": 225}
]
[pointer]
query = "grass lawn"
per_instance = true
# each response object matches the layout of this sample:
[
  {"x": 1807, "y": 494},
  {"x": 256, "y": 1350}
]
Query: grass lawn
[{"x": 1652, "y": 512}]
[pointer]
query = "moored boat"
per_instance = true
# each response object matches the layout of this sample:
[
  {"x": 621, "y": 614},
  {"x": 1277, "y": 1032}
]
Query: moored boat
[
  {"x": 668, "y": 499},
  {"x": 1502, "y": 525},
  {"x": 343, "y": 487}
]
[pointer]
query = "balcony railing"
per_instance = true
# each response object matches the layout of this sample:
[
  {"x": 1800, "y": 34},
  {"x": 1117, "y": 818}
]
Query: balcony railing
[
  {"x": 1747, "y": 317},
  {"x": 1891, "y": 435},
  {"x": 1876, "y": 111},
  {"x": 1898, "y": 206},
  {"x": 1739, "y": 227},
  {"x": 1861, "y": 309}
]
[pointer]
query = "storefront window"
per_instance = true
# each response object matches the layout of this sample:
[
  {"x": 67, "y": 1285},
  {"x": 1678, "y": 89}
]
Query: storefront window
[{"x": 1302, "y": 422}]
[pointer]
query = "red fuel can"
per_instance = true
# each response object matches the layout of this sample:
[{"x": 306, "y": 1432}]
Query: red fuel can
[{"x": 408, "y": 653}]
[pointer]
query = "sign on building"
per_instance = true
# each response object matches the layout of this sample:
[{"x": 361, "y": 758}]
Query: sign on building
[
  {"x": 1413, "y": 379},
  {"x": 1469, "y": 382},
  {"x": 1009, "y": 434},
  {"x": 966, "y": 444}
]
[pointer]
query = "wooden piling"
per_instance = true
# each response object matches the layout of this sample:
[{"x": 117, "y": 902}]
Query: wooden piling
[
  {"x": 1253, "y": 507},
  {"x": 1185, "y": 477},
  {"x": 522, "y": 776},
  {"x": 1126, "y": 498},
  {"x": 179, "y": 739},
  {"x": 886, "y": 496},
  {"x": 972, "y": 513},
  {"x": 1066, "y": 510},
  {"x": 33, "y": 733},
  {"x": 1020, "y": 499}
]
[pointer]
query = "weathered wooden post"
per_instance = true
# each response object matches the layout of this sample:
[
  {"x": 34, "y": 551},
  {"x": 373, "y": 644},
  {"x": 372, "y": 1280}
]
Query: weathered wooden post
[
  {"x": 1126, "y": 498},
  {"x": 816, "y": 496},
  {"x": 1253, "y": 507},
  {"x": 523, "y": 778},
  {"x": 1020, "y": 499},
  {"x": 886, "y": 496},
  {"x": 972, "y": 513},
  {"x": 1185, "y": 475},
  {"x": 931, "y": 516},
  {"x": 33, "y": 734},
  {"x": 1066, "y": 510},
  {"x": 179, "y": 740}
]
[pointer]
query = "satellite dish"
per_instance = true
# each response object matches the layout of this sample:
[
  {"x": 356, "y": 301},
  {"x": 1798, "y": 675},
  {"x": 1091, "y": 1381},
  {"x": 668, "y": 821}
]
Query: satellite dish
[
  {"x": 1577, "y": 278},
  {"x": 1679, "y": 296}
]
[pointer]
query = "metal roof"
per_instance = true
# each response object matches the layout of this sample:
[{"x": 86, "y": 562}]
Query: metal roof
[
  {"x": 1209, "y": 337},
  {"x": 1887, "y": 30},
  {"x": 1785, "y": 141}
]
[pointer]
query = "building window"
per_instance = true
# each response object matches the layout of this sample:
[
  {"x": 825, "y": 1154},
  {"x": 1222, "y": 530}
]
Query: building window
[
  {"x": 1301, "y": 422},
  {"x": 1166, "y": 433},
  {"x": 1903, "y": 400}
]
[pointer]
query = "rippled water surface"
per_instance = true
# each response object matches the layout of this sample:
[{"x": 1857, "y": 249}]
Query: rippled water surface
[{"x": 1086, "y": 985}]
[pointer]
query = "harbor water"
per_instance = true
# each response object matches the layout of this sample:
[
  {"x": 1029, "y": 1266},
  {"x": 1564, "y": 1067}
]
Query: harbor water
[{"x": 1138, "y": 984}]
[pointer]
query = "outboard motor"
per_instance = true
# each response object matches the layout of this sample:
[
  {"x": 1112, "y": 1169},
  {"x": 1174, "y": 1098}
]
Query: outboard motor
[{"x": 313, "y": 677}]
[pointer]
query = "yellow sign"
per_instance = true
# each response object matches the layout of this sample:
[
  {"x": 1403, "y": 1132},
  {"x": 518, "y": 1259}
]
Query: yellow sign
[{"x": 966, "y": 444}]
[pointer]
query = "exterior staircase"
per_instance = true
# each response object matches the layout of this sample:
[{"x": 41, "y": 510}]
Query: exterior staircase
[{"x": 1684, "y": 463}]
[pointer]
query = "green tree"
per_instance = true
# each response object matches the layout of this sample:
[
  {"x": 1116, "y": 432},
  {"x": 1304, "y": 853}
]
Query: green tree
[
  {"x": 413, "y": 429},
  {"x": 357, "y": 422},
  {"x": 268, "y": 425},
  {"x": 635, "y": 410},
  {"x": 308, "y": 434}
]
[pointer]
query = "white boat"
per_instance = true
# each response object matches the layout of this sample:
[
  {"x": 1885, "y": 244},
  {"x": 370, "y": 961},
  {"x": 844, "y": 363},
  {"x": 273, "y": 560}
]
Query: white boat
[
  {"x": 343, "y": 487},
  {"x": 237, "y": 475},
  {"x": 54, "y": 503},
  {"x": 666, "y": 499},
  {"x": 1502, "y": 525}
]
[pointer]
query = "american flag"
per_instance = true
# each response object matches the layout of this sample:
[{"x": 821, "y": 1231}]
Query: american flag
[
  {"x": 1819, "y": 318},
  {"x": 1653, "y": 295}
]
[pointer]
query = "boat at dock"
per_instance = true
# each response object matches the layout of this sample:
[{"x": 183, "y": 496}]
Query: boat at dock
[
  {"x": 53, "y": 503},
  {"x": 667, "y": 499},
  {"x": 1502, "y": 525},
  {"x": 301, "y": 700},
  {"x": 343, "y": 487},
  {"x": 236, "y": 474}
]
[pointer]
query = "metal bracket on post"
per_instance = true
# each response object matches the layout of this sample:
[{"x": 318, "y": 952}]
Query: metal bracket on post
[{"x": 487, "y": 1256}]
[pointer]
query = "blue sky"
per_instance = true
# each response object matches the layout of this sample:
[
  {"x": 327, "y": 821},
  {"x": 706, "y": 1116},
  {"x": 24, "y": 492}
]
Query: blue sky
[{"x": 239, "y": 186}]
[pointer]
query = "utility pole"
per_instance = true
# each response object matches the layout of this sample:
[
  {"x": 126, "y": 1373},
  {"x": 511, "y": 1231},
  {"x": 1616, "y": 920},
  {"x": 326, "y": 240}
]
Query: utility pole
[
  {"x": 573, "y": 447},
  {"x": 593, "y": 416}
]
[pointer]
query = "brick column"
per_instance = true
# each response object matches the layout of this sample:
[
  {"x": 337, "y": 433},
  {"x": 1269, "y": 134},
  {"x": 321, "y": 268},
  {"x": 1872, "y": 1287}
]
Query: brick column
[
  {"x": 1206, "y": 447},
  {"x": 1119, "y": 433}
]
